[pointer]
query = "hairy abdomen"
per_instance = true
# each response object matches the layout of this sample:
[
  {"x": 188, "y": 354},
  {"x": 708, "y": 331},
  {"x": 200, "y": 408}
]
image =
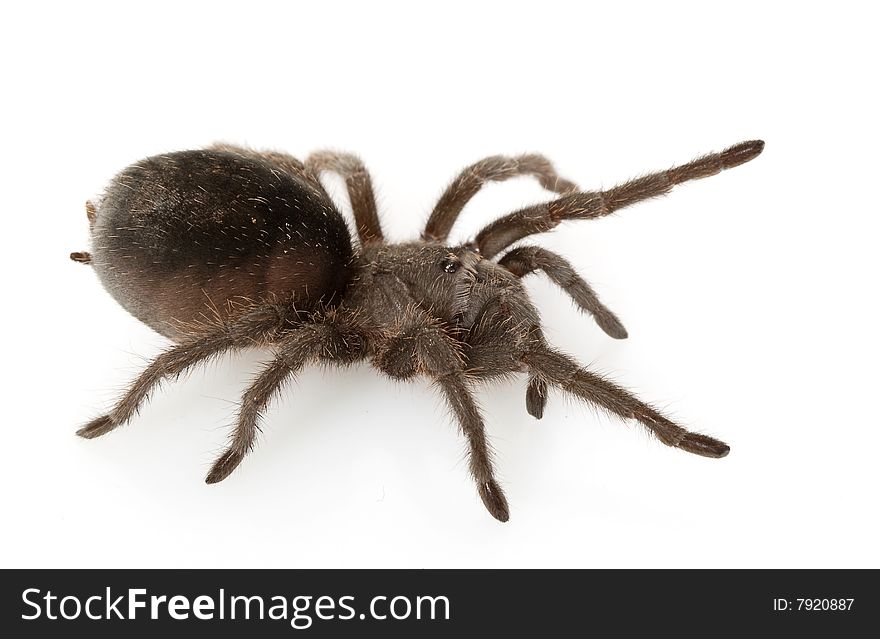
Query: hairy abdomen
[{"x": 180, "y": 238}]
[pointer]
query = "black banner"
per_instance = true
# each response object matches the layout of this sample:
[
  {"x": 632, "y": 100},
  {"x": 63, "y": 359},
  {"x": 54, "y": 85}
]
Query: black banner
[{"x": 434, "y": 603}]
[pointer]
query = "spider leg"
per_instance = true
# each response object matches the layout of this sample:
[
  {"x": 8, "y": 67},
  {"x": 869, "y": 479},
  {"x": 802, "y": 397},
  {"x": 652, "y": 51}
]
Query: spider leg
[
  {"x": 360, "y": 190},
  {"x": 251, "y": 328},
  {"x": 461, "y": 401},
  {"x": 590, "y": 205},
  {"x": 525, "y": 259},
  {"x": 570, "y": 377},
  {"x": 333, "y": 337},
  {"x": 425, "y": 348},
  {"x": 491, "y": 169}
]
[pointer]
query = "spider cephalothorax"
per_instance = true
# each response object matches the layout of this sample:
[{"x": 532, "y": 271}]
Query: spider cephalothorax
[{"x": 226, "y": 248}]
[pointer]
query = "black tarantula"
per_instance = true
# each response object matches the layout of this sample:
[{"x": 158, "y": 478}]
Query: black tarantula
[{"x": 226, "y": 248}]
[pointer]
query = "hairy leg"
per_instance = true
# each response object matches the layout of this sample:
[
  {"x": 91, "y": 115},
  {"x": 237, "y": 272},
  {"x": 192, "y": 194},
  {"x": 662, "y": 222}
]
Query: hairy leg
[
  {"x": 570, "y": 377},
  {"x": 491, "y": 169},
  {"x": 334, "y": 337},
  {"x": 462, "y": 403},
  {"x": 590, "y": 205},
  {"x": 525, "y": 259},
  {"x": 423, "y": 347},
  {"x": 252, "y": 327},
  {"x": 360, "y": 189}
]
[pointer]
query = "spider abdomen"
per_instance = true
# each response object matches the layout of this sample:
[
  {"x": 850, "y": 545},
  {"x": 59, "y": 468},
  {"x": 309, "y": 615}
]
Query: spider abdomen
[{"x": 179, "y": 238}]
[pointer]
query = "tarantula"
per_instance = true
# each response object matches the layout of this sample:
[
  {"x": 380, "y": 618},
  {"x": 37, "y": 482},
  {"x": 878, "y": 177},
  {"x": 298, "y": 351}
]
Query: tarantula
[{"x": 226, "y": 248}]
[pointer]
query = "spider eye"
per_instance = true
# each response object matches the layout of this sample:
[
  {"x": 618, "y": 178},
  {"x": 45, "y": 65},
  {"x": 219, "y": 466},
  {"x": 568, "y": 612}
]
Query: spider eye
[{"x": 450, "y": 264}]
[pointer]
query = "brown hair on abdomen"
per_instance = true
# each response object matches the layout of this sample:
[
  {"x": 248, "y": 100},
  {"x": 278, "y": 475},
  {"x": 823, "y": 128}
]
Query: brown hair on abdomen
[{"x": 180, "y": 238}]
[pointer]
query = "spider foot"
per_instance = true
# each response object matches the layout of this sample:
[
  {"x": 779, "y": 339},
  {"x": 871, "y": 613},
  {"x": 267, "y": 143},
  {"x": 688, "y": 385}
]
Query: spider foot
[
  {"x": 742, "y": 153},
  {"x": 97, "y": 427},
  {"x": 494, "y": 500},
  {"x": 703, "y": 445},
  {"x": 609, "y": 323},
  {"x": 225, "y": 464},
  {"x": 536, "y": 398}
]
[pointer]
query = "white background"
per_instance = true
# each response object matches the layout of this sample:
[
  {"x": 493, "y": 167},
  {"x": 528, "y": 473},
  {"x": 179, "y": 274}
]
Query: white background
[{"x": 750, "y": 297}]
